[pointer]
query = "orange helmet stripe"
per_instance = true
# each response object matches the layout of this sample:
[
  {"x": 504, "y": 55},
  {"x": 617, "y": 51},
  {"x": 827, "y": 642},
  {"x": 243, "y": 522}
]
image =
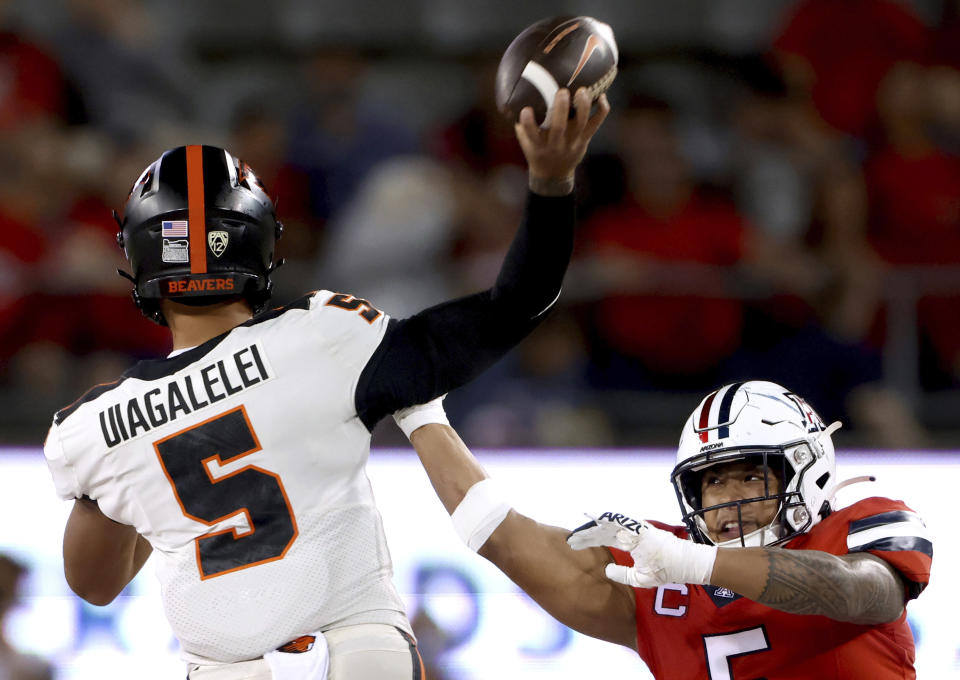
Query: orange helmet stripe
[{"x": 197, "y": 210}]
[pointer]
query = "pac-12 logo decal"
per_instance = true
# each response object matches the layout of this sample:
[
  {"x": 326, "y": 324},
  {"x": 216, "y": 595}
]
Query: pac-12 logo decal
[{"x": 217, "y": 240}]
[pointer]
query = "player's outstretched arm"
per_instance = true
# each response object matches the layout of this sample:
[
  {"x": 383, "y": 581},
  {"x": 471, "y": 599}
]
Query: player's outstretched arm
[
  {"x": 857, "y": 588},
  {"x": 568, "y": 584},
  {"x": 100, "y": 556},
  {"x": 447, "y": 345}
]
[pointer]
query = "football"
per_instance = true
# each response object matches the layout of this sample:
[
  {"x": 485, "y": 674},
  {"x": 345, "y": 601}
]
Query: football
[{"x": 571, "y": 52}]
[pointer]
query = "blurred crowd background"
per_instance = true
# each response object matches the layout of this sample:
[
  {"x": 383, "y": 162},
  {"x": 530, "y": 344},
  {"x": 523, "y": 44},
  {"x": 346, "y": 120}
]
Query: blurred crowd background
[{"x": 775, "y": 195}]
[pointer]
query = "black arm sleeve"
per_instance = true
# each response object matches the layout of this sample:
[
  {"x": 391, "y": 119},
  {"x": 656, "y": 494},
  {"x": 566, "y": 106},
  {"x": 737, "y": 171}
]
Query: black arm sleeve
[{"x": 446, "y": 346}]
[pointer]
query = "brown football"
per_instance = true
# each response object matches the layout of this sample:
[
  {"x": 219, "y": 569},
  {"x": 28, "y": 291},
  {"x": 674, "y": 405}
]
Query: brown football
[{"x": 571, "y": 52}]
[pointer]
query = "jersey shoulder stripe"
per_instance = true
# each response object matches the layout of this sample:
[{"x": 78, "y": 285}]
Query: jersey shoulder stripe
[
  {"x": 894, "y": 527},
  {"x": 155, "y": 369},
  {"x": 890, "y": 544},
  {"x": 894, "y": 516},
  {"x": 891, "y": 531},
  {"x": 895, "y": 530}
]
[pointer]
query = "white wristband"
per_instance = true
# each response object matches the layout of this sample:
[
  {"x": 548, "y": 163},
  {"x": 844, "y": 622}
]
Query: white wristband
[
  {"x": 696, "y": 563},
  {"x": 479, "y": 514},
  {"x": 409, "y": 419}
]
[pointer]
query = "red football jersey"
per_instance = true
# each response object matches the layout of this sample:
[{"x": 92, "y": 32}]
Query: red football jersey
[{"x": 692, "y": 631}]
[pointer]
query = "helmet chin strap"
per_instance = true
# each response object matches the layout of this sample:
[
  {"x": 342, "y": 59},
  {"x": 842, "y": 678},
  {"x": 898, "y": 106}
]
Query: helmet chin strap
[{"x": 848, "y": 482}]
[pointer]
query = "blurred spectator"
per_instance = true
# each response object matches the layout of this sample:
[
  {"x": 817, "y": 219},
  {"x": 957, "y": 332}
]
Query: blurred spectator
[
  {"x": 31, "y": 84},
  {"x": 792, "y": 274},
  {"x": 834, "y": 53},
  {"x": 914, "y": 186},
  {"x": 259, "y": 137},
  {"x": 536, "y": 396},
  {"x": 945, "y": 40},
  {"x": 915, "y": 202},
  {"x": 808, "y": 196},
  {"x": 75, "y": 319},
  {"x": 338, "y": 138},
  {"x": 655, "y": 329},
  {"x": 15, "y": 665},
  {"x": 129, "y": 73},
  {"x": 481, "y": 138},
  {"x": 943, "y": 77},
  {"x": 390, "y": 244},
  {"x": 22, "y": 245}
]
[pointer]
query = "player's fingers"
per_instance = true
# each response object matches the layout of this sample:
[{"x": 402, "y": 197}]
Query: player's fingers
[
  {"x": 626, "y": 540},
  {"x": 581, "y": 106},
  {"x": 558, "y": 115},
  {"x": 625, "y": 575},
  {"x": 526, "y": 129},
  {"x": 596, "y": 120},
  {"x": 618, "y": 573}
]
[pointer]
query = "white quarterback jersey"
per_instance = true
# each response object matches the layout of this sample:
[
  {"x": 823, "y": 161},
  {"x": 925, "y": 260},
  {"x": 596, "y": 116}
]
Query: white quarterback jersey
[{"x": 242, "y": 462}]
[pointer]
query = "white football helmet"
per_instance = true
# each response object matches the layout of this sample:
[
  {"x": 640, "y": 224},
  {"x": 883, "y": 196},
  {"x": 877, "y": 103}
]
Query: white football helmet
[{"x": 767, "y": 423}]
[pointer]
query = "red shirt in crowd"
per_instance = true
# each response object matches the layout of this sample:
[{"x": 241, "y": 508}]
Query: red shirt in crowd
[
  {"x": 30, "y": 82},
  {"x": 915, "y": 207},
  {"x": 850, "y": 45},
  {"x": 915, "y": 220},
  {"x": 671, "y": 332}
]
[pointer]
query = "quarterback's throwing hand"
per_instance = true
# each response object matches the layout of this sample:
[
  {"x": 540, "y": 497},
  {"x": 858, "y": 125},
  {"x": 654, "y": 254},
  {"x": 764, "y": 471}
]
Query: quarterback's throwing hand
[
  {"x": 553, "y": 153},
  {"x": 659, "y": 557}
]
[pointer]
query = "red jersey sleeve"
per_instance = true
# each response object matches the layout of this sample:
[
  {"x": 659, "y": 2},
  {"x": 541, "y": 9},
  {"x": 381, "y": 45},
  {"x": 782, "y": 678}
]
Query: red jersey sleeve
[{"x": 894, "y": 533}]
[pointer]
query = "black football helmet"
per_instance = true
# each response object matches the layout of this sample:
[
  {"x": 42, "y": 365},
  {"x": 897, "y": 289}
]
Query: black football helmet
[{"x": 199, "y": 228}]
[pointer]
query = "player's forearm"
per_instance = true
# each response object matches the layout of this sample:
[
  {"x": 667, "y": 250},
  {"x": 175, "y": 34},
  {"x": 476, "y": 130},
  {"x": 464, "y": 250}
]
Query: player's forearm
[
  {"x": 856, "y": 590},
  {"x": 446, "y": 346},
  {"x": 533, "y": 269},
  {"x": 449, "y": 464},
  {"x": 568, "y": 584}
]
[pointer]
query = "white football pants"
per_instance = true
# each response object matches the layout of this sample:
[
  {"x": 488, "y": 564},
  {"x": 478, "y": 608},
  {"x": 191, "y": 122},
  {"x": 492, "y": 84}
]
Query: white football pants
[{"x": 369, "y": 651}]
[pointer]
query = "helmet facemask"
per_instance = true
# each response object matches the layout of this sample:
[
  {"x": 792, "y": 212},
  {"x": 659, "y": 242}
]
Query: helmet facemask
[
  {"x": 688, "y": 481},
  {"x": 790, "y": 464}
]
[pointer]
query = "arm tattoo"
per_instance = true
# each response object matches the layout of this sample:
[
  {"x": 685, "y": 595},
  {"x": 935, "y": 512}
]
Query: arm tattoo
[{"x": 858, "y": 588}]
